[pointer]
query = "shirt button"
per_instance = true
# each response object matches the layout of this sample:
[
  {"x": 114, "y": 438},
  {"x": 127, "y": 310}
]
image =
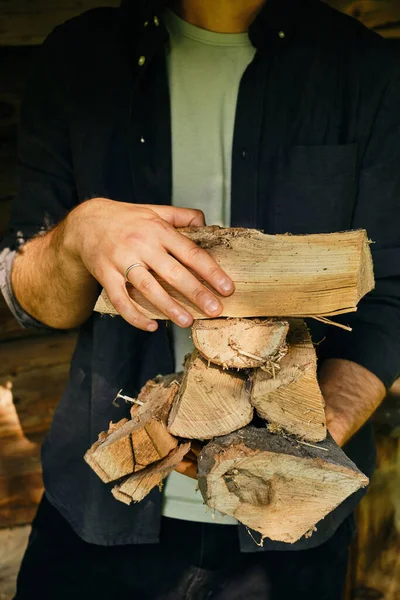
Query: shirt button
[
  {"x": 244, "y": 153},
  {"x": 282, "y": 35},
  {"x": 156, "y": 21},
  {"x": 141, "y": 61},
  {"x": 145, "y": 24}
]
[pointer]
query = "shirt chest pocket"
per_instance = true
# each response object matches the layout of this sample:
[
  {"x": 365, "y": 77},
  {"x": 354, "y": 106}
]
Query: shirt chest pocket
[{"x": 314, "y": 189}]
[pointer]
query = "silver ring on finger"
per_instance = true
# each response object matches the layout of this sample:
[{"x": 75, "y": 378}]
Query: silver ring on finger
[{"x": 134, "y": 267}]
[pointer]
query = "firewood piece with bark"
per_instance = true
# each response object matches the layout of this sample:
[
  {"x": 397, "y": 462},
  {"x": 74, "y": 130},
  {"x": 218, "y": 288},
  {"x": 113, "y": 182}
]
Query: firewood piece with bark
[
  {"x": 211, "y": 401},
  {"x": 129, "y": 446},
  {"x": 137, "y": 486},
  {"x": 115, "y": 459},
  {"x": 239, "y": 343},
  {"x": 156, "y": 397},
  {"x": 287, "y": 394},
  {"x": 274, "y": 484},
  {"x": 277, "y": 275}
]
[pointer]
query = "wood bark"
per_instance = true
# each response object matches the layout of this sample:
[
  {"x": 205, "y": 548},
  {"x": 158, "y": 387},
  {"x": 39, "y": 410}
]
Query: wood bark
[
  {"x": 326, "y": 274},
  {"x": 211, "y": 401},
  {"x": 239, "y": 343},
  {"x": 273, "y": 484},
  {"x": 287, "y": 394},
  {"x": 137, "y": 486},
  {"x": 132, "y": 445}
]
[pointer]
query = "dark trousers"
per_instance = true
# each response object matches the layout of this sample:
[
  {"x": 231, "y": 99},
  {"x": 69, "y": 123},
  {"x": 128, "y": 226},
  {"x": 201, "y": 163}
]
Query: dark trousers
[{"x": 193, "y": 561}]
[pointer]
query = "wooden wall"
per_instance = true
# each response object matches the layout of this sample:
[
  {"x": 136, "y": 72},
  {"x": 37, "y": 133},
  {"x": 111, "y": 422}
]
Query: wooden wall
[{"x": 34, "y": 367}]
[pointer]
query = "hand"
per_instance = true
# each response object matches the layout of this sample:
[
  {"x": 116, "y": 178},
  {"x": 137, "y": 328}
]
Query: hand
[
  {"x": 108, "y": 236},
  {"x": 351, "y": 394},
  {"x": 188, "y": 466}
]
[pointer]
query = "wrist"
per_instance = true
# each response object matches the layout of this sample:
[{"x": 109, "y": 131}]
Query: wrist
[{"x": 68, "y": 236}]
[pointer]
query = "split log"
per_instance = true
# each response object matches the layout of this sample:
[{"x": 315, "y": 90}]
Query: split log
[
  {"x": 287, "y": 394},
  {"x": 137, "y": 486},
  {"x": 273, "y": 484},
  {"x": 156, "y": 397},
  {"x": 113, "y": 459},
  {"x": 130, "y": 446},
  {"x": 326, "y": 274},
  {"x": 211, "y": 401},
  {"x": 239, "y": 343}
]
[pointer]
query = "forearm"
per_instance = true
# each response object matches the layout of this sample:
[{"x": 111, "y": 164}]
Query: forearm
[
  {"x": 351, "y": 393},
  {"x": 51, "y": 283}
]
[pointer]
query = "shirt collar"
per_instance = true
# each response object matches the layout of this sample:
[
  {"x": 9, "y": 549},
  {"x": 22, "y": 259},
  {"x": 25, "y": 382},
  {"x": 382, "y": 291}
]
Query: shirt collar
[{"x": 142, "y": 21}]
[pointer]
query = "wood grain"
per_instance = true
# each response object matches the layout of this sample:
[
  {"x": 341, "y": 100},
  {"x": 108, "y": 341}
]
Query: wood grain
[
  {"x": 131, "y": 445},
  {"x": 273, "y": 484},
  {"x": 287, "y": 395},
  {"x": 279, "y": 275},
  {"x": 136, "y": 487},
  {"x": 211, "y": 401},
  {"x": 239, "y": 343}
]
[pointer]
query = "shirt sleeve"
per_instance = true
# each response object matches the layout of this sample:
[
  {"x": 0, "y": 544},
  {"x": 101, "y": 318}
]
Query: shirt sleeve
[
  {"x": 375, "y": 340},
  {"x": 46, "y": 188}
]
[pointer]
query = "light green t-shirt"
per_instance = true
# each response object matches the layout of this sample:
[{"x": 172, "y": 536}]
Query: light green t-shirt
[{"x": 205, "y": 69}]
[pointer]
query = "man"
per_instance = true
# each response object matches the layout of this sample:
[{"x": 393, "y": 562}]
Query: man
[{"x": 281, "y": 115}]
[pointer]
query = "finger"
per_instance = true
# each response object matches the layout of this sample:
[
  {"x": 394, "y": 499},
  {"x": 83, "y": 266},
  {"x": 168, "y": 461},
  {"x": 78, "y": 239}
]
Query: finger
[
  {"x": 178, "y": 277},
  {"x": 116, "y": 290},
  {"x": 187, "y": 467},
  {"x": 145, "y": 283},
  {"x": 180, "y": 217},
  {"x": 190, "y": 254}
]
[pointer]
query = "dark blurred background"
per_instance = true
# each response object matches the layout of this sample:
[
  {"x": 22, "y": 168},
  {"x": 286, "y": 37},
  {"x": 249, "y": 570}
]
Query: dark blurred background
[{"x": 33, "y": 368}]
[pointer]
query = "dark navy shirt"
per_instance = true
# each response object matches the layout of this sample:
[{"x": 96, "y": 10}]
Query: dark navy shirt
[{"x": 316, "y": 149}]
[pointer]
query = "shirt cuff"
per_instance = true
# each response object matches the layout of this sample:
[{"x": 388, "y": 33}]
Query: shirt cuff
[{"x": 7, "y": 257}]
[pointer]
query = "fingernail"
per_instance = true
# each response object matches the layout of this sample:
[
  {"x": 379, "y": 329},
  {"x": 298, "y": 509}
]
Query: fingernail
[
  {"x": 184, "y": 320},
  {"x": 226, "y": 285},
  {"x": 152, "y": 327},
  {"x": 212, "y": 306}
]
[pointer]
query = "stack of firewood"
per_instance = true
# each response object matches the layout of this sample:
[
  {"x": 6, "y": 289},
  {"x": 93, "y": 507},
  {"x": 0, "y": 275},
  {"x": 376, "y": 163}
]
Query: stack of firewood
[{"x": 249, "y": 393}]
